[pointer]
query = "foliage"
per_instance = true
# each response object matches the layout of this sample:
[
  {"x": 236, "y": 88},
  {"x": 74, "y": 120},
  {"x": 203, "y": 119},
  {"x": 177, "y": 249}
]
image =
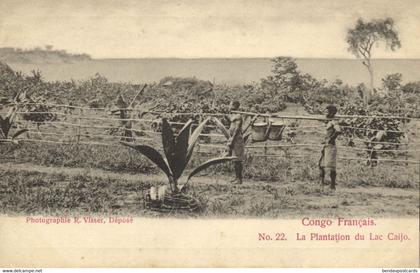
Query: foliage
[
  {"x": 107, "y": 158},
  {"x": 392, "y": 82},
  {"x": 400, "y": 99},
  {"x": 123, "y": 110},
  {"x": 178, "y": 151},
  {"x": 364, "y": 35},
  {"x": 369, "y": 127},
  {"x": 390, "y": 100},
  {"x": 260, "y": 99},
  {"x": 285, "y": 72},
  {"x": 366, "y": 128},
  {"x": 189, "y": 88},
  {"x": 286, "y": 83},
  {"x": 36, "y": 109},
  {"x": 190, "y": 95},
  {"x": 412, "y": 87},
  {"x": 14, "y": 83},
  {"x": 183, "y": 95},
  {"x": 326, "y": 93},
  {"x": 24, "y": 93},
  {"x": 410, "y": 97},
  {"x": 6, "y": 124},
  {"x": 171, "y": 94}
]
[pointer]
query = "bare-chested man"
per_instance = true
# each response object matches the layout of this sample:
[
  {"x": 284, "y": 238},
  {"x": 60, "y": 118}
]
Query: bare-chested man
[{"x": 328, "y": 160}]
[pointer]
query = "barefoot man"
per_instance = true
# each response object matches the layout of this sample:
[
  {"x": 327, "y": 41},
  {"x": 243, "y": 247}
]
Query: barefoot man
[
  {"x": 236, "y": 144},
  {"x": 328, "y": 160}
]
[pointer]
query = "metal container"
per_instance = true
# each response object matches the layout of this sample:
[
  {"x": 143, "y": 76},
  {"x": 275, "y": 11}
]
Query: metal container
[
  {"x": 276, "y": 130},
  {"x": 259, "y": 131}
]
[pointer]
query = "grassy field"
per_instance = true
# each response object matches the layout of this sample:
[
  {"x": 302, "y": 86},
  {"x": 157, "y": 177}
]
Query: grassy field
[{"x": 54, "y": 179}]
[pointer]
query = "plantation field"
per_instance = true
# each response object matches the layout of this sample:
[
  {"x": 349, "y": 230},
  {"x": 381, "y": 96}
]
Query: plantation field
[
  {"x": 56, "y": 179},
  {"x": 71, "y": 160}
]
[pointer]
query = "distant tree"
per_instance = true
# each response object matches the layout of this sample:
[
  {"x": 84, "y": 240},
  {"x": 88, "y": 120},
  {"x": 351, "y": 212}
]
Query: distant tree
[
  {"x": 364, "y": 35},
  {"x": 48, "y": 47},
  {"x": 286, "y": 80},
  {"x": 284, "y": 73}
]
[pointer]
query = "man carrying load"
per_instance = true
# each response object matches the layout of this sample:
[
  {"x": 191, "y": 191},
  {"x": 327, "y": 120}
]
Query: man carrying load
[{"x": 328, "y": 160}]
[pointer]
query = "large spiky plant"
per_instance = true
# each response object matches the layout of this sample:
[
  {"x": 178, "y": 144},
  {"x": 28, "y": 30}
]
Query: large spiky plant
[
  {"x": 178, "y": 150},
  {"x": 6, "y": 124}
]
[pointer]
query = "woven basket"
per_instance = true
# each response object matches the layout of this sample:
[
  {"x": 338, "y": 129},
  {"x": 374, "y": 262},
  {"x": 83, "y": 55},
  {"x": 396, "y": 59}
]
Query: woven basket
[{"x": 169, "y": 202}]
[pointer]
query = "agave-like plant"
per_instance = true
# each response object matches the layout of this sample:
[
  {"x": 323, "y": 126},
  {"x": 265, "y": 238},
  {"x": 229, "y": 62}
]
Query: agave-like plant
[
  {"x": 6, "y": 124},
  {"x": 178, "y": 151}
]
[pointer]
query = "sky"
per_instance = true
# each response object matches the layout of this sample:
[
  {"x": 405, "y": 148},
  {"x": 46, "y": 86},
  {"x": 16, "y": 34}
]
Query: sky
[{"x": 203, "y": 28}]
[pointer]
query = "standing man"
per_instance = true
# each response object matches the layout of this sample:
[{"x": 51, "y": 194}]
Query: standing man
[
  {"x": 374, "y": 148},
  {"x": 126, "y": 124},
  {"x": 328, "y": 160},
  {"x": 236, "y": 144}
]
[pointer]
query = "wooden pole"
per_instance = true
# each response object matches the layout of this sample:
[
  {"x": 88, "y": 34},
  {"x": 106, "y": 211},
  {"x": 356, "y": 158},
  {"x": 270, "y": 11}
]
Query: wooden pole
[
  {"x": 317, "y": 117},
  {"x": 135, "y": 97}
]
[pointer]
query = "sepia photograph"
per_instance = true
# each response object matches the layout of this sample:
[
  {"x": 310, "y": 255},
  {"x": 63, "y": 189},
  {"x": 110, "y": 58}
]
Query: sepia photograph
[{"x": 209, "y": 133}]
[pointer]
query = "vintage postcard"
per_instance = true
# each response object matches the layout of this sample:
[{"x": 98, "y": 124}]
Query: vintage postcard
[{"x": 209, "y": 133}]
